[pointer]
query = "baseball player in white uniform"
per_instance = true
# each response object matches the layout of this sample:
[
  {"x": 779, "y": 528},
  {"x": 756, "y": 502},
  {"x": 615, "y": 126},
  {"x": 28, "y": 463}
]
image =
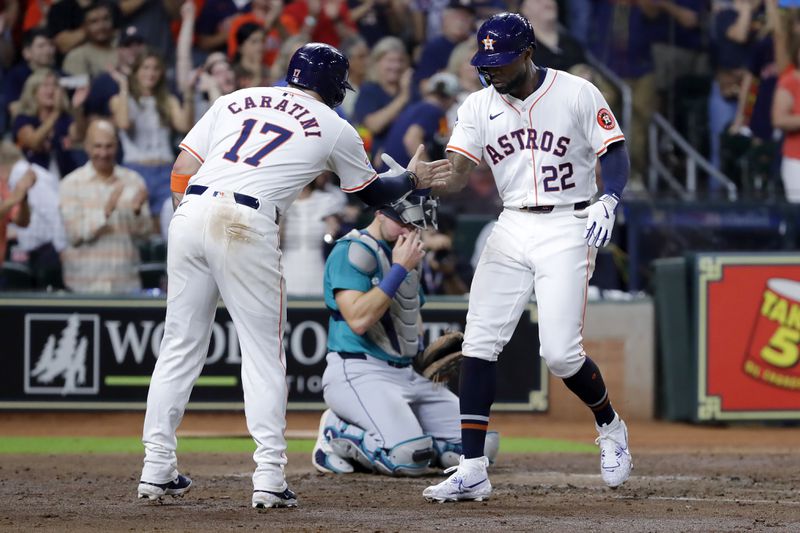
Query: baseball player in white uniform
[
  {"x": 542, "y": 132},
  {"x": 241, "y": 166}
]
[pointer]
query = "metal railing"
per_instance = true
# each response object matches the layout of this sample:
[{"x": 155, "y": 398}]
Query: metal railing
[
  {"x": 658, "y": 170},
  {"x": 626, "y": 96}
]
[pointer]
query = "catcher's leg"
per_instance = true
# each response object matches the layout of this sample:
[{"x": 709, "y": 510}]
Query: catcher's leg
[{"x": 372, "y": 395}]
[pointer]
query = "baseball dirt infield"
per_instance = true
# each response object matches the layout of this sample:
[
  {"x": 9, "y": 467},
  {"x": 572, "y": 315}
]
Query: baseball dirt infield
[{"x": 685, "y": 479}]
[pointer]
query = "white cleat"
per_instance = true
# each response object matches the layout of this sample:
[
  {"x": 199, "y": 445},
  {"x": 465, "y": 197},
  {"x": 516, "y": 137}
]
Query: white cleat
[
  {"x": 263, "y": 499},
  {"x": 615, "y": 456},
  {"x": 323, "y": 457},
  {"x": 155, "y": 491},
  {"x": 469, "y": 482}
]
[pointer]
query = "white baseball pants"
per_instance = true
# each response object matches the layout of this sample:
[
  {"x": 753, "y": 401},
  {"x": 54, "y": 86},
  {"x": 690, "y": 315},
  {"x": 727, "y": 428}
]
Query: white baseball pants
[
  {"x": 218, "y": 247},
  {"x": 545, "y": 252}
]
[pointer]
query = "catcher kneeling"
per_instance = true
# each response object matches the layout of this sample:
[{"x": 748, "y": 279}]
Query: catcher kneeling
[{"x": 387, "y": 412}]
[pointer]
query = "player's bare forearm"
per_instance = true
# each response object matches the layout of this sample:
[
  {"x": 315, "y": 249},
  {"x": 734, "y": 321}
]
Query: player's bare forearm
[
  {"x": 462, "y": 167},
  {"x": 176, "y": 199}
]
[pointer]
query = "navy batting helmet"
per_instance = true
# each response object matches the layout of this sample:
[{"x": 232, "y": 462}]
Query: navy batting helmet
[
  {"x": 415, "y": 209},
  {"x": 502, "y": 39},
  {"x": 322, "y": 69}
]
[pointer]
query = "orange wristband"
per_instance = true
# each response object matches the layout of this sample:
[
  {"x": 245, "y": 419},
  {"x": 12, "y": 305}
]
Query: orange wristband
[{"x": 179, "y": 182}]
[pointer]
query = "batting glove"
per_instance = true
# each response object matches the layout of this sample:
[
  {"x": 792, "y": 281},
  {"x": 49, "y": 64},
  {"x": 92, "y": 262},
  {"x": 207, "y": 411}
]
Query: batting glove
[
  {"x": 600, "y": 220},
  {"x": 394, "y": 167}
]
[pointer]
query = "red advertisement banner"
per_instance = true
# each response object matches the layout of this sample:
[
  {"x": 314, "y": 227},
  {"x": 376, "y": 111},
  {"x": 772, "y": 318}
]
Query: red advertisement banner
[{"x": 752, "y": 343}]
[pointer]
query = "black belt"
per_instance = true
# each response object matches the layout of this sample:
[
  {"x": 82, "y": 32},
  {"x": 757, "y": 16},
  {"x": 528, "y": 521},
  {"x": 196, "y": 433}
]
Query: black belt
[
  {"x": 363, "y": 356},
  {"x": 549, "y": 208},
  {"x": 239, "y": 198}
]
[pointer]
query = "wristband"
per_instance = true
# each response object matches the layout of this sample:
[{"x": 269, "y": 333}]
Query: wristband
[
  {"x": 393, "y": 279},
  {"x": 179, "y": 182}
]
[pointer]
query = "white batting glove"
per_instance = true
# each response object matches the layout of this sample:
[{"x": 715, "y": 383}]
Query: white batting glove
[
  {"x": 395, "y": 168},
  {"x": 600, "y": 220}
]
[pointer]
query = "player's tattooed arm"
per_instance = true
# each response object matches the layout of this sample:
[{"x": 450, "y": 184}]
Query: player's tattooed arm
[{"x": 462, "y": 168}]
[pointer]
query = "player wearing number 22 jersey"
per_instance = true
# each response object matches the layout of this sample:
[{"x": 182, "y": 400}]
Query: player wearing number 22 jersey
[
  {"x": 241, "y": 166},
  {"x": 541, "y": 131}
]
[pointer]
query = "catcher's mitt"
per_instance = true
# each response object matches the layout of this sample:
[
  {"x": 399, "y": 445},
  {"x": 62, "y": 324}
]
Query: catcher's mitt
[{"x": 441, "y": 360}]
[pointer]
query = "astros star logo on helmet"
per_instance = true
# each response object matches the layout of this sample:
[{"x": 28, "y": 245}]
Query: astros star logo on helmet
[{"x": 488, "y": 43}]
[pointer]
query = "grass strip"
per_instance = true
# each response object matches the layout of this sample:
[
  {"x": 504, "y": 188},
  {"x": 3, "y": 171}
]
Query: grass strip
[{"x": 133, "y": 445}]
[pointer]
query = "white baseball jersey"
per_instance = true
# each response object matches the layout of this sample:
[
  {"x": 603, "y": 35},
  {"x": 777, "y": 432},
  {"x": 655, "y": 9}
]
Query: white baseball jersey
[
  {"x": 270, "y": 142},
  {"x": 542, "y": 150}
]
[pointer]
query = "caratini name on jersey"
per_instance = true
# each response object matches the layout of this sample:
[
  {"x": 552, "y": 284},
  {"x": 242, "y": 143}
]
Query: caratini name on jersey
[
  {"x": 296, "y": 111},
  {"x": 523, "y": 139}
]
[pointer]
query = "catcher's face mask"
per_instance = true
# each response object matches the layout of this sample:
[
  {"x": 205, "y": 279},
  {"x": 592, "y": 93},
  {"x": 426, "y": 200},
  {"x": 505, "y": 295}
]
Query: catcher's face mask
[{"x": 418, "y": 211}]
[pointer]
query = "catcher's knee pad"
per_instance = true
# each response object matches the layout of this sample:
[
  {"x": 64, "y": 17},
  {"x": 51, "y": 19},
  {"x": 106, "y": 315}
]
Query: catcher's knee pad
[
  {"x": 347, "y": 441},
  {"x": 448, "y": 453},
  {"x": 409, "y": 458}
]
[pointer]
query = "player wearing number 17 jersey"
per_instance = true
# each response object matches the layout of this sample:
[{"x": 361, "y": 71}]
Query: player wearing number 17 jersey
[
  {"x": 541, "y": 131},
  {"x": 241, "y": 166}
]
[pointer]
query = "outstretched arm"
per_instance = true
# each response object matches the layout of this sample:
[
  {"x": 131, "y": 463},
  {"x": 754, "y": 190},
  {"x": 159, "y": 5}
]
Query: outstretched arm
[{"x": 462, "y": 167}]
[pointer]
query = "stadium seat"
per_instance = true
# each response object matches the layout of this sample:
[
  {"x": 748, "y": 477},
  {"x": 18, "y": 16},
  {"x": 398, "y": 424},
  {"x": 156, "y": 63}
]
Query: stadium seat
[
  {"x": 153, "y": 275},
  {"x": 15, "y": 276}
]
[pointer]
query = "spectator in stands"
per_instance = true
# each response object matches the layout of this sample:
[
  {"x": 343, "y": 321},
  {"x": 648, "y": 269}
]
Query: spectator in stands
[
  {"x": 45, "y": 129},
  {"x": 147, "y": 115},
  {"x": 323, "y": 21},
  {"x": 249, "y": 58},
  {"x": 387, "y": 93},
  {"x": 443, "y": 271},
  {"x": 376, "y": 19},
  {"x": 305, "y": 226},
  {"x": 427, "y": 15},
  {"x": 424, "y": 122},
  {"x": 9, "y": 13},
  {"x": 152, "y": 19},
  {"x": 216, "y": 79},
  {"x": 268, "y": 14},
  {"x": 104, "y": 208},
  {"x": 752, "y": 140},
  {"x": 99, "y": 50},
  {"x": 38, "y": 52},
  {"x": 786, "y": 108},
  {"x": 131, "y": 46},
  {"x": 679, "y": 49},
  {"x": 458, "y": 21},
  {"x": 288, "y": 48},
  {"x": 43, "y": 239},
  {"x": 357, "y": 52},
  {"x": 65, "y": 23},
  {"x": 13, "y": 200},
  {"x": 468, "y": 79},
  {"x": 734, "y": 29},
  {"x": 214, "y": 23},
  {"x": 555, "y": 47}
]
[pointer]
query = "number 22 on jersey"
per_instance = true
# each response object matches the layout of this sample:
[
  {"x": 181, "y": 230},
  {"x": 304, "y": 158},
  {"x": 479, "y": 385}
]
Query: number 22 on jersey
[{"x": 281, "y": 136}]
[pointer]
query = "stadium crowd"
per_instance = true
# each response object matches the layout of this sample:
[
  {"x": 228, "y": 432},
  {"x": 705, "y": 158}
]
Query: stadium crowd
[{"x": 95, "y": 96}]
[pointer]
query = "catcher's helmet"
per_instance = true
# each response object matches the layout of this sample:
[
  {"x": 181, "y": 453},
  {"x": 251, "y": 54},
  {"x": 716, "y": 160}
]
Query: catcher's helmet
[
  {"x": 415, "y": 209},
  {"x": 321, "y": 68},
  {"x": 501, "y": 39}
]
